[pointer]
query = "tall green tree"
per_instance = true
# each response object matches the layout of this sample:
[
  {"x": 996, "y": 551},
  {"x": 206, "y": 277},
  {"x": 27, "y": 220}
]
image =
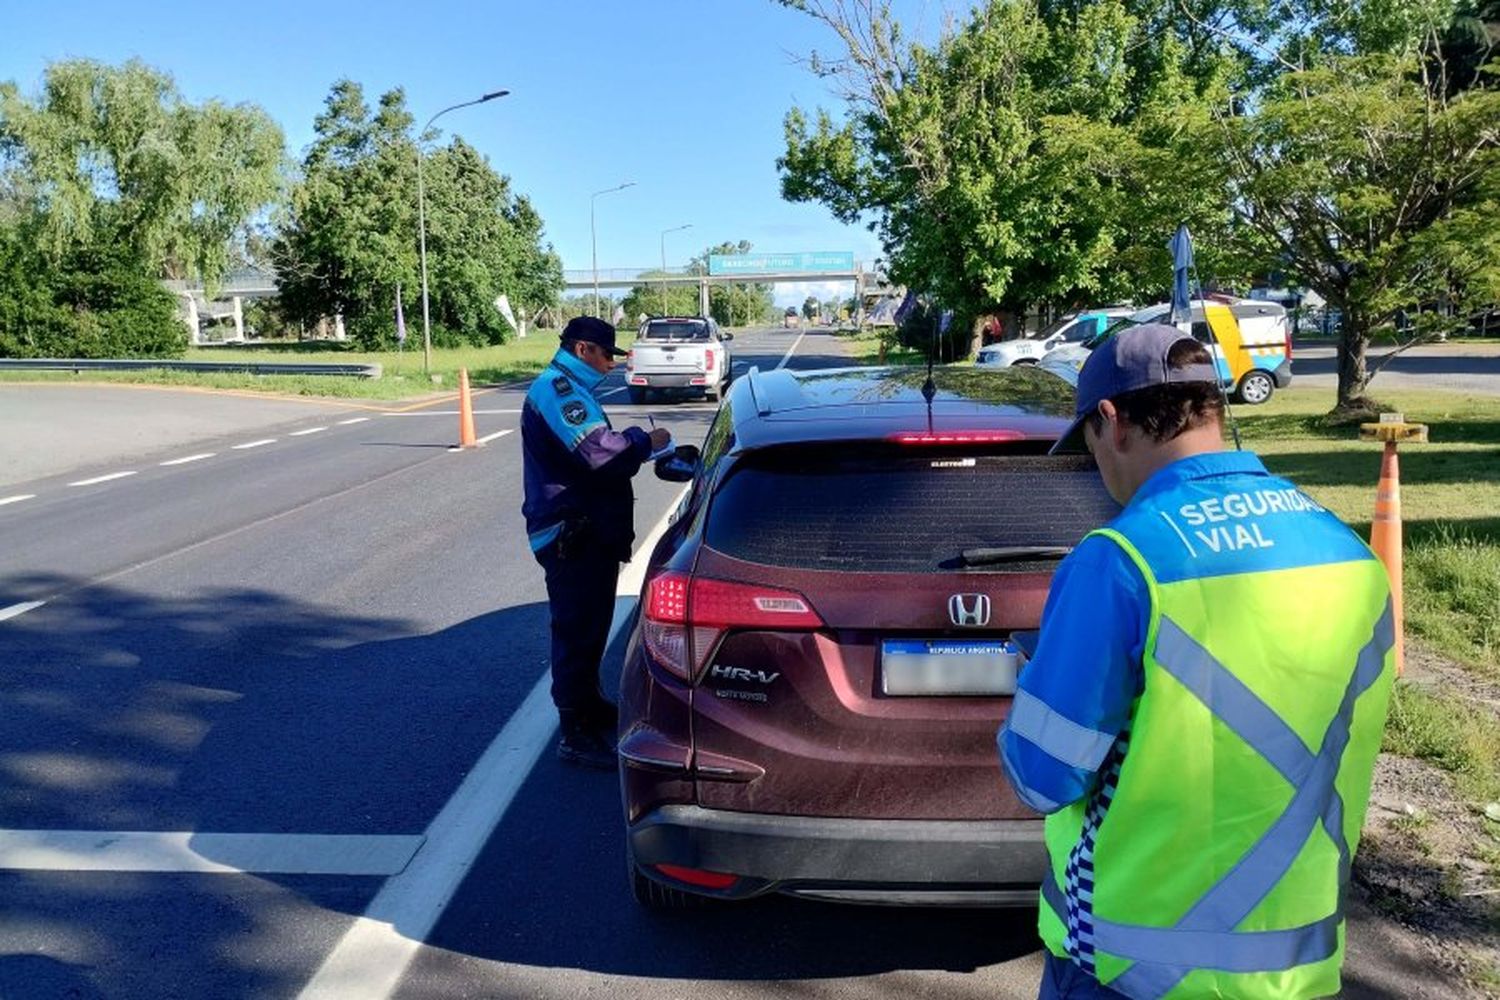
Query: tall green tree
[
  {"x": 352, "y": 234},
  {"x": 115, "y": 154},
  {"x": 1374, "y": 187},
  {"x": 1014, "y": 161},
  {"x": 109, "y": 181}
]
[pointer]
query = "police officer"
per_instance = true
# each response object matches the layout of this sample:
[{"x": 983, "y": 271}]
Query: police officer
[
  {"x": 1201, "y": 716},
  {"x": 579, "y": 512}
]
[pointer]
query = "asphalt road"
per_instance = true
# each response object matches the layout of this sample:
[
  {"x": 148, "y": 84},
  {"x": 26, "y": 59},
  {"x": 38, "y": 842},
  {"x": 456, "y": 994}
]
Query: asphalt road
[
  {"x": 271, "y": 724},
  {"x": 1454, "y": 367}
]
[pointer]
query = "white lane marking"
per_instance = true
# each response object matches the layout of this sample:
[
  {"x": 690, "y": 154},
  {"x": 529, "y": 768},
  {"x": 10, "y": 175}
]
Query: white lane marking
[
  {"x": 310, "y": 430},
  {"x": 353, "y": 420},
  {"x": 612, "y": 392},
  {"x": 103, "y": 479},
  {"x": 16, "y": 610},
  {"x": 791, "y": 350},
  {"x": 498, "y": 434},
  {"x": 374, "y": 953},
  {"x": 254, "y": 444},
  {"x": 443, "y": 413},
  {"x": 191, "y": 458},
  {"x": 17, "y": 498},
  {"x": 138, "y": 851}
]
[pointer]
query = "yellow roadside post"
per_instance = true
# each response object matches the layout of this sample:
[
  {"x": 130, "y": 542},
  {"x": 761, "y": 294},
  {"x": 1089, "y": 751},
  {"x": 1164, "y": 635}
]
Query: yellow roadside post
[{"x": 1385, "y": 527}]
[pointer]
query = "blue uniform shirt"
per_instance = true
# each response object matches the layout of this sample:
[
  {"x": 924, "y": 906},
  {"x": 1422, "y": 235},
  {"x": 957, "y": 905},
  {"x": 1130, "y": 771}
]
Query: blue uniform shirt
[
  {"x": 1074, "y": 698},
  {"x": 577, "y": 467}
]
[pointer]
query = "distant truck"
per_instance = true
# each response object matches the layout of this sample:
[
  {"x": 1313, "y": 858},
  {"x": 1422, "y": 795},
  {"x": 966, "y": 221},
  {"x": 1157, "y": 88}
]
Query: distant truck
[
  {"x": 791, "y": 319},
  {"x": 681, "y": 355}
]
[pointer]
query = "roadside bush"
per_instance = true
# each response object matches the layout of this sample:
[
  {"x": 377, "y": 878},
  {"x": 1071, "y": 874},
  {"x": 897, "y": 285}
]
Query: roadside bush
[{"x": 95, "y": 302}]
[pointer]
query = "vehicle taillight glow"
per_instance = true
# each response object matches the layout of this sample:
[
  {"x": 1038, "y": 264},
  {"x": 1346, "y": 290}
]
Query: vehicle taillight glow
[
  {"x": 708, "y": 361},
  {"x": 685, "y": 617},
  {"x": 698, "y": 877},
  {"x": 957, "y": 437},
  {"x": 1286, "y": 328}
]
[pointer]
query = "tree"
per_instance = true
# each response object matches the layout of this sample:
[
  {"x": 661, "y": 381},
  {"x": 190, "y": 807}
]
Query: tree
[
  {"x": 111, "y": 153},
  {"x": 1373, "y": 186},
  {"x": 1042, "y": 151},
  {"x": 1011, "y": 163},
  {"x": 352, "y": 236},
  {"x": 651, "y": 298},
  {"x": 109, "y": 181}
]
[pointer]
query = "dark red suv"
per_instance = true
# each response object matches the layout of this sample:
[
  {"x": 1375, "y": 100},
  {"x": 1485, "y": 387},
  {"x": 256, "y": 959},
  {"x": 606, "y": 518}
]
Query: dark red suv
[{"x": 824, "y": 651}]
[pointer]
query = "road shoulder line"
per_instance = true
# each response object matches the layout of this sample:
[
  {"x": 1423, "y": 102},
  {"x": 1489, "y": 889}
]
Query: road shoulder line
[
  {"x": 189, "y": 851},
  {"x": 374, "y": 954}
]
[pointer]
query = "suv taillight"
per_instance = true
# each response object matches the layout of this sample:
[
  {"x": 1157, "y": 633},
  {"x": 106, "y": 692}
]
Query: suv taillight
[
  {"x": 685, "y": 617},
  {"x": 708, "y": 360}
]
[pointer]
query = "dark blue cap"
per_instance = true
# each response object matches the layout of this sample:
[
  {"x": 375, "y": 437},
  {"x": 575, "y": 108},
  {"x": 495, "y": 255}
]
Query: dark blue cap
[
  {"x": 594, "y": 331},
  {"x": 1134, "y": 358}
]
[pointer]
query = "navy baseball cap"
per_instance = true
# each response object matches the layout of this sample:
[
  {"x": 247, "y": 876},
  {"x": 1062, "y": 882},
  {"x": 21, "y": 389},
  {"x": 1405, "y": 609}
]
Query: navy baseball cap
[
  {"x": 1134, "y": 358},
  {"x": 593, "y": 330}
]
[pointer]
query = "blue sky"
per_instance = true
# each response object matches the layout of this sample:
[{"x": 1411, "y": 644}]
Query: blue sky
[{"x": 684, "y": 98}]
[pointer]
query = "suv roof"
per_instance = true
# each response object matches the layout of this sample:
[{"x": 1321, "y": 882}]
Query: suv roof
[{"x": 872, "y": 404}]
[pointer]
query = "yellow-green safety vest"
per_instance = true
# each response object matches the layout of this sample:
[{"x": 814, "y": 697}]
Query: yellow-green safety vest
[{"x": 1212, "y": 858}]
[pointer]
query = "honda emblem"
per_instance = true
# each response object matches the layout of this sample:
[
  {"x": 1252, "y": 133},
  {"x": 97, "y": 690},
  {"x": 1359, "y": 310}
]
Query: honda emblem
[{"x": 970, "y": 610}]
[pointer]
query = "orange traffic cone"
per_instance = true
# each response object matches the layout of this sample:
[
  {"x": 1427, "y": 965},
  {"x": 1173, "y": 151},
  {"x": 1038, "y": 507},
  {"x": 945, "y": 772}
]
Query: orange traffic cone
[
  {"x": 467, "y": 438},
  {"x": 1385, "y": 538}
]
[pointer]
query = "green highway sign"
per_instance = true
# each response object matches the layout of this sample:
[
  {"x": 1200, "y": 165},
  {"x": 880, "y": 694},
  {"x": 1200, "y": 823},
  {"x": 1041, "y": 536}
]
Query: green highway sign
[{"x": 810, "y": 262}]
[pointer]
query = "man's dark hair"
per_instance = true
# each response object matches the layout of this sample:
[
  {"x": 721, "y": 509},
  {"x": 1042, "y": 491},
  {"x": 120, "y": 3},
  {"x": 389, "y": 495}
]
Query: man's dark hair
[{"x": 1163, "y": 412}]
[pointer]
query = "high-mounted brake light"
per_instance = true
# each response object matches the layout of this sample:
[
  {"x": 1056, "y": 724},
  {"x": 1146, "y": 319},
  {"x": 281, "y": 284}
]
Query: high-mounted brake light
[
  {"x": 957, "y": 437},
  {"x": 685, "y": 617}
]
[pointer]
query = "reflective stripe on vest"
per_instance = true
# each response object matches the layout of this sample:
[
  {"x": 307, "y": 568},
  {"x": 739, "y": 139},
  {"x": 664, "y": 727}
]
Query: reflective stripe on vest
[{"x": 1204, "y": 938}]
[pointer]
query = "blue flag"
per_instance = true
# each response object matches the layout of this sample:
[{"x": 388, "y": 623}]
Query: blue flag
[{"x": 1181, "y": 246}]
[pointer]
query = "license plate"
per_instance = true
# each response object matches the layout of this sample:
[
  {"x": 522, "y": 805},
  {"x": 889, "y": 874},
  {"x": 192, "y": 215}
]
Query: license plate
[{"x": 947, "y": 667}]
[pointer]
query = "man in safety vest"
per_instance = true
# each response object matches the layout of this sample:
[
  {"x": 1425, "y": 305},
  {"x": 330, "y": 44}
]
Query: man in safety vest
[{"x": 1202, "y": 713}]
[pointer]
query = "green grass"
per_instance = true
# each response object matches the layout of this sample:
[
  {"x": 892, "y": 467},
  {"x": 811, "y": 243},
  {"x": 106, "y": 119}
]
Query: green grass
[
  {"x": 1460, "y": 738},
  {"x": 865, "y": 345},
  {"x": 1450, "y": 498},
  {"x": 402, "y": 375}
]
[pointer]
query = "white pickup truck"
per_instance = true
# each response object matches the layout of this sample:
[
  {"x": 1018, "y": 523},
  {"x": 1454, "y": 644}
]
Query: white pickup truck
[{"x": 680, "y": 354}]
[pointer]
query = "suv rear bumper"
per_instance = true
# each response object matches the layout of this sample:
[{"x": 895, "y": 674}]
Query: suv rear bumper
[
  {"x": 1283, "y": 374},
  {"x": 932, "y": 862},
  {"x": 675, "y": 380}
]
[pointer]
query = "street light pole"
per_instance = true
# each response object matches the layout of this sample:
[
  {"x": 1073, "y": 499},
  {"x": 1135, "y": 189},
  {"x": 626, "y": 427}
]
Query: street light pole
[
  {"x": 422, "y": 222},
  {"x": 664, "y": 232},
  {"x": 594, "y": 237}
]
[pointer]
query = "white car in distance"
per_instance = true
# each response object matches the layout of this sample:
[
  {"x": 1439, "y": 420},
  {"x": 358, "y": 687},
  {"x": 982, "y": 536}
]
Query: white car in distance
[
  {"x": 1074, "y": 328},
  {"x": 679, "y": 354}
]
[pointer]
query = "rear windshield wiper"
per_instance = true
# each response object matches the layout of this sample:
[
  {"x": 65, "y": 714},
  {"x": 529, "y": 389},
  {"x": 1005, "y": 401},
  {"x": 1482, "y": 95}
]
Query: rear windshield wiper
[{"x": 1013, "y": 553}]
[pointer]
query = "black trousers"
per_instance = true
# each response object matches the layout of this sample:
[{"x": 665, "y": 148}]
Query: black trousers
[{"x": 581, "y": 596}]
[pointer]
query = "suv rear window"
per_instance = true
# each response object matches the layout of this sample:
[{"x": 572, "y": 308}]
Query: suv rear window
[
  {"x": 911, "y": 511},
  {"x": 681, "y": 330}
]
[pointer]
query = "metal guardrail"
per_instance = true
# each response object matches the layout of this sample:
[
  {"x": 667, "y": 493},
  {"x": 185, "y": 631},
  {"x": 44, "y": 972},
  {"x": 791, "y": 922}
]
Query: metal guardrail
[{"x": 246, "y": 367}]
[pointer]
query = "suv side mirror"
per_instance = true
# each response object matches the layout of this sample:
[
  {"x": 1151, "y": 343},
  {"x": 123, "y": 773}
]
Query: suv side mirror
[
  {"x": 726, "y": 336},
  {"x": 680, "y": 466}
]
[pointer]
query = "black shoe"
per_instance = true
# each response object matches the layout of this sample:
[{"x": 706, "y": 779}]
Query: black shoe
[{"x": 587, "y": 748}]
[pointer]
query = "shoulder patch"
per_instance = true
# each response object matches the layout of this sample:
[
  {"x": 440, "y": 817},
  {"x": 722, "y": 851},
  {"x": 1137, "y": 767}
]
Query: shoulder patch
[
  {"x": 575, "y": 412},
  {"x": 562, "y": 385}
]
